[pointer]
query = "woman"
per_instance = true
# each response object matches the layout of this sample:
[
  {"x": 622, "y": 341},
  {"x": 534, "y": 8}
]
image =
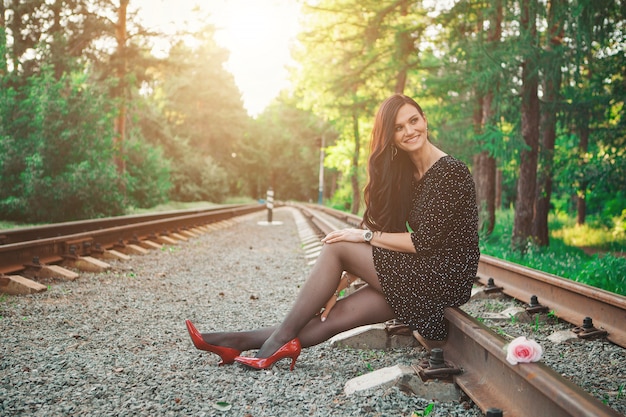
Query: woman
[{"x": 418, "y": 254}]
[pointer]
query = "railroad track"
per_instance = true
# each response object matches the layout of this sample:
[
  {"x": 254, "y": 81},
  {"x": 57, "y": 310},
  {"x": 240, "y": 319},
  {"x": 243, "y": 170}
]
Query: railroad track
[
  {"x": 473, "y": 348},
  {"x": 54, "y": 250},
  {"x": 531, "y": 389}
]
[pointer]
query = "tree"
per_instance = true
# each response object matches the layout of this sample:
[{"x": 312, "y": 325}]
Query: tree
[
  {"x": 370, "y": 49},
  {"x": 192, "y": 108},
  {"x": 485, "y": 161},
  {"x": 120, "y": 91},
  {"x": 282, "y": 152},
  {"x": 55, "y": 150},
  {"x": 524, "y": 203},
  {"x": 552, "y": 61},
  {"x": 597, "y": 33}
]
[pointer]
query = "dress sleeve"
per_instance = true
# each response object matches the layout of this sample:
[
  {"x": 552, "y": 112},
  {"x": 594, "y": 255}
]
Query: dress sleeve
[{"x": 445, "y": 214}]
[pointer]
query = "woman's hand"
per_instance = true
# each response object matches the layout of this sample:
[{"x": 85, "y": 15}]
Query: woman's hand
[
  {"x": 345, "y": 235},
  {"x": 346, "y": 280},
  {"x": 329, "y": 305}
]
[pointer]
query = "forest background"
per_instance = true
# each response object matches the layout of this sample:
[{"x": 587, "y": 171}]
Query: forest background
[{"x": 529, "y": 93}]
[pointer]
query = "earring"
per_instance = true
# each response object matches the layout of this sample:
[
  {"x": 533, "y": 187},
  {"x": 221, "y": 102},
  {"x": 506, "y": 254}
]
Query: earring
[{"x": 394, "y": 151}]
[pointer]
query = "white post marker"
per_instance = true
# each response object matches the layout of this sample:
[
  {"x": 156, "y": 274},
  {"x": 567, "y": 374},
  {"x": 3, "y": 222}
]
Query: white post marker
[{"x": 269, "y": 203}]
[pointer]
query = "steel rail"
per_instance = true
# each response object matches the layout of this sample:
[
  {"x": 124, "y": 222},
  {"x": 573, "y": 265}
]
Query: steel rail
[
  {"x": 570, "y": 300},
  {"x": 488, "y": 379},
  {"x": 14, "y": 257},
  {"x": 8, "y": 236},
  {"x": 529, "y": 389}
]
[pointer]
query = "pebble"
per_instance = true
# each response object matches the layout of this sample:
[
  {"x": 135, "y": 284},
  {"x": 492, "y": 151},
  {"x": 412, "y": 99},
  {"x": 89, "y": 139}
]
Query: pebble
[{"x": 116, "y": 344}]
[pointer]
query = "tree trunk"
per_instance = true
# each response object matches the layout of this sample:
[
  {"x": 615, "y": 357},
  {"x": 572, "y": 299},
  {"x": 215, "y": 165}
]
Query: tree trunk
[
  {"x": 484, "y": 163},
  {"x": 405, "y": 48},
  {"x": 57, "y": 52},
  {"x": 485, "y": 180},
  {"x": 480, "y": 171},
  {"x": 3, "y": 42},
  {"x": 524, "y": 202},
  {"x": 120, "y": 121},
  {"x": 354, "y": 173},
  {"x": 551, "y": 87},
  {"x": 581, "y": 201},
  {"x": 498, "y": 188}
]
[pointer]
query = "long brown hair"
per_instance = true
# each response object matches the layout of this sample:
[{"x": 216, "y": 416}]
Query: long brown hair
[{"x": 390, "y": 172}]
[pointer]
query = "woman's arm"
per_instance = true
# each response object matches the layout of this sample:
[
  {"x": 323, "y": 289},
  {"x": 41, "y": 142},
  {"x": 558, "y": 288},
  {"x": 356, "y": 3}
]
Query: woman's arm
[{"x": 400, "y": 242}]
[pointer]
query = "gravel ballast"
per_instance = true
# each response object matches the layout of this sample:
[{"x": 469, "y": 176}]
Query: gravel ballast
[{"x": 115, "y": 343}]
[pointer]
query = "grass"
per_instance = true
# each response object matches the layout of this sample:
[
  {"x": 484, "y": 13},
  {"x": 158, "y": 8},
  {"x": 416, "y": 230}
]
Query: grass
[
  {"x": 179, "y": 205},
  {"x": 590, "y": 254},
  {"x": 593, "y": 235},
  {"x": 5, "y": 225},
  {"x": 170, "y": 206}
]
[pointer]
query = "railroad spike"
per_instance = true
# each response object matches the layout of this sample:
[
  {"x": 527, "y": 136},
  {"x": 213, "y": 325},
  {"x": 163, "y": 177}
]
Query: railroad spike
[
  {"x": 491, "y": 287},
  {"x": 35, "y": 265},
  {"x": 435, "y": 367},
  {"x": 535, "y": 307},
  {"x": 87, "y": 247},
  {"x": 97, "y": 249},
  {"x": 71, "y": 253},
  {"x": 493, "y": 412},
  {"x": 588, "y": 331}
]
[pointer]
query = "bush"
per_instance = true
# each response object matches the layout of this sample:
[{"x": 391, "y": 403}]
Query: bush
[
  {"x": 81, "y": 192},
  {"x": 148, "y": 174},
  {"x": 57, "y": 158},
  {"x": 199, "y": 179}
]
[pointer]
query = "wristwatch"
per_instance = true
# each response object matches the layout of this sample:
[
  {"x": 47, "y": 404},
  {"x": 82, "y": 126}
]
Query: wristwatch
[{"x": 368, "y": 235}]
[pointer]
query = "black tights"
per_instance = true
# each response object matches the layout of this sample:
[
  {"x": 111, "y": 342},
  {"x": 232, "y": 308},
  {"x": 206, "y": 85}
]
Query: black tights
[{"x": 365, "y": 306}]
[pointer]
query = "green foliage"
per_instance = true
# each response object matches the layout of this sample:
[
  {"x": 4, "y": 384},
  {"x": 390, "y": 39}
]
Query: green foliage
[
  {"x": 194, "y": 114},
  {"x": 282, "y": 151},
  {"x": 604, "y": 271},
  {"x": 429, "y": 409},
  {"x": 600, "y": 270},
  {"x": 57, "y": 156},
  {"x": 199, "y": 179},
  {"x": 200, "y": 100},
  {"x": 148, "y": 174},
  {"x": 191, "y": 139}
]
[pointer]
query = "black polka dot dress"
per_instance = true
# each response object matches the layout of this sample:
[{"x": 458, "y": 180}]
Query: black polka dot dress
[{"x": 444, "y": 229}]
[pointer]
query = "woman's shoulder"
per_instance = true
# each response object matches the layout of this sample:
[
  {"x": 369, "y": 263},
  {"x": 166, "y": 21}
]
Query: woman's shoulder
[{"x": 449, "y": 164}]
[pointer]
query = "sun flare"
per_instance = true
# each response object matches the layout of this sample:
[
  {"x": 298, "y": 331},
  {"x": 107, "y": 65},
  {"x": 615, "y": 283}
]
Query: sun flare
[{"x": 258, "y": 34}]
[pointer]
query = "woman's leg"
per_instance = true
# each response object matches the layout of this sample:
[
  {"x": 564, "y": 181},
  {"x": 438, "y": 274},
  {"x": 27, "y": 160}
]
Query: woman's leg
[
  {"x": 366, "y": 306},
  {"x": 334, "y": 258}
]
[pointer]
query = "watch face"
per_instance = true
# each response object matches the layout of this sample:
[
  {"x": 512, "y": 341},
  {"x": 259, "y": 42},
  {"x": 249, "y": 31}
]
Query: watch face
[{"x": 368, "y": 235}]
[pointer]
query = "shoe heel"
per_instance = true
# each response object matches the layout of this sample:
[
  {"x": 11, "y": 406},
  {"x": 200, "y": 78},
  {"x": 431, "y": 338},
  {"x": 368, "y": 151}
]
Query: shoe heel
[
  {"x": 227, "y": 354},
  {"x": 288, "y": 350}
]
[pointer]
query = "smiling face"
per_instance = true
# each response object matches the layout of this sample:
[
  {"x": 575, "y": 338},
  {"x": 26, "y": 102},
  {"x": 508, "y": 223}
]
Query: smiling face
[{"x": 410, "y": 129}]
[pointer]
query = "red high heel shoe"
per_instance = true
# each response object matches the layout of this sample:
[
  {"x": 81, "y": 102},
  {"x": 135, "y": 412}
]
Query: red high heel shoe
[
  {"x": 227, "y": 354},
  {"x": 290, "y": 349}
]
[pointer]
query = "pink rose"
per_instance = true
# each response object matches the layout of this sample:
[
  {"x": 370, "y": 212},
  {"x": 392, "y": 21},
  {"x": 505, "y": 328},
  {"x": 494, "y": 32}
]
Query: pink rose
[{"x": 523, "y": 350}]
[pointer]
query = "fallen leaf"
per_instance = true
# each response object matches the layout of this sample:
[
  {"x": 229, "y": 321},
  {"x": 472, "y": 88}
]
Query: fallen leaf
[{"x": 222, "y": 406}]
